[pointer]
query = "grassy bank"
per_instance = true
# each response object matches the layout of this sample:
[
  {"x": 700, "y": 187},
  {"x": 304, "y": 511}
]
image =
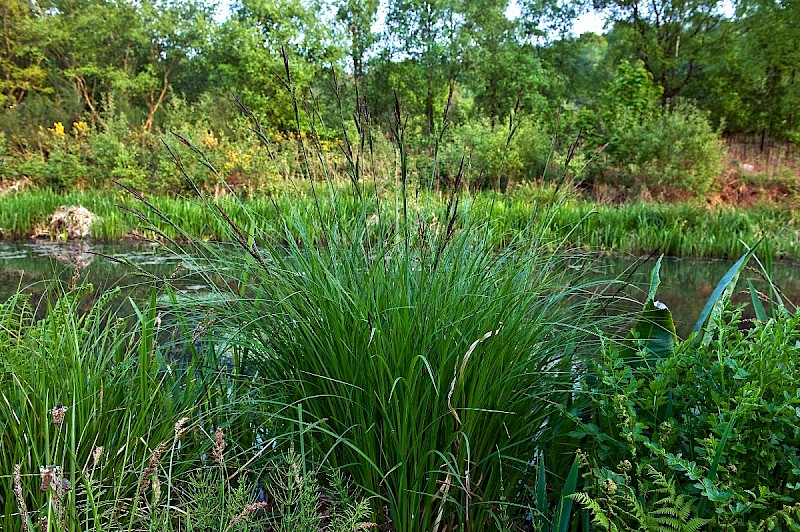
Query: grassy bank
[
  {"x": 682, "y": 230},
  {"x": 412, "y": 378}
]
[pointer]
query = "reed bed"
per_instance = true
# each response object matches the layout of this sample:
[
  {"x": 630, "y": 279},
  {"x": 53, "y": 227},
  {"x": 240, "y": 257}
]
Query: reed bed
[{"x": 680, "y": 230}]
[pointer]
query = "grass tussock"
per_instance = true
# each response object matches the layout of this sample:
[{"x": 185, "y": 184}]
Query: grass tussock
[{"x": 422, "y": 361}]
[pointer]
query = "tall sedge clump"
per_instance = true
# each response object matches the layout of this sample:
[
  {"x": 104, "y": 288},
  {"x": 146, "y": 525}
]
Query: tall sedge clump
[
  {"x": 419, "y": 358},
  {"x": 426, "y": 370}
]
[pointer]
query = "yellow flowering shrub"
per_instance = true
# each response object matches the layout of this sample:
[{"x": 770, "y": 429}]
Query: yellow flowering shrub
[
  {"x": 209, "y": 140},
  {"x": 57, "y": 130},
  {"x": 80, "y": 129}
]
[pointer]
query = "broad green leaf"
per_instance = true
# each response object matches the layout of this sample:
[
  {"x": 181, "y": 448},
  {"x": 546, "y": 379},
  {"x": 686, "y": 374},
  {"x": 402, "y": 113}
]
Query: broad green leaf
[
  {"x": 655, "y": 329},
  {"x": 722, "y": 291},
  {"x": 562, "y": 518},
  {"x": 712, "y": 471}
]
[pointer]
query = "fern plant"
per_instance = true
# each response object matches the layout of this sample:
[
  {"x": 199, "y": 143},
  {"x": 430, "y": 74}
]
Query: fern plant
[{"x": 656, "y": 506}]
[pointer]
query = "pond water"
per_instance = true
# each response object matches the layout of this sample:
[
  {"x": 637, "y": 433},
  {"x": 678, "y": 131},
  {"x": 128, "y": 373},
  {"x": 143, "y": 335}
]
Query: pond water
[
  {"x": 32, "y": 266},
  {"x": 686, "y": 283}
]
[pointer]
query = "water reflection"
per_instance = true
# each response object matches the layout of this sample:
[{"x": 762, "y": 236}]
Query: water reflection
[
  {"x": 686, "y": 283},
  {"x": 33, "y": 266}
]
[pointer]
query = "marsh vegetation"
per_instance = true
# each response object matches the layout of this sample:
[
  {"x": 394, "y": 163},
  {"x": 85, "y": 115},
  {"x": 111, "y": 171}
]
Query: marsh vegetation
[{"x": 398, "y": 328}]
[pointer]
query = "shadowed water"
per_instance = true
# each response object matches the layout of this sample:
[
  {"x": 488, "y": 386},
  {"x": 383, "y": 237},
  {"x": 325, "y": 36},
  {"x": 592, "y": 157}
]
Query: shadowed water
[
  {"x": 686, "y": 283},
  {"x": 31, "y": 267}
]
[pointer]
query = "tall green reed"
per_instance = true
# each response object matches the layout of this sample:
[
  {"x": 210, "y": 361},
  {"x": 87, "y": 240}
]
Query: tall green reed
[
  {"x": 685, "y": 230},
  {"x": 90, "y": 405},
  {"x": 417, "y": 357}
]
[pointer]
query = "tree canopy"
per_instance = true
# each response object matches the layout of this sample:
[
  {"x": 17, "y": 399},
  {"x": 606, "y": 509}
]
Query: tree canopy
[{"x": 739, "y": 67}]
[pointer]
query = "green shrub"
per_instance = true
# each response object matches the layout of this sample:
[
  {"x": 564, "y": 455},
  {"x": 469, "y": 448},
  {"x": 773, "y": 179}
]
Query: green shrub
[
  {"x": 23, "y": 124},
  {"x": 32, "y": 166},
  {"x": 115, "y": 155},
  {"x": 664, "y": 150},
  {"x": 63, "y": 170},
  {"x": 494, "y": 155},
  {"x": 674, "y": 153},
  {"x": 715, "y": 416}
]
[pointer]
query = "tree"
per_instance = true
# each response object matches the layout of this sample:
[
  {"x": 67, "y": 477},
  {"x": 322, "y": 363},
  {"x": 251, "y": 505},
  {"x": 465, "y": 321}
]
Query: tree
[
  {"x": 504, "y": 71},
  {"x": 425, "y": 31},
  {"x": 749, "y": 81},
  {"x": 357, "y": 16},
  {"x": 770, "y": 59},
  {"x": 668, "y": 36},
  {"x": 92, "y": 44},
  {"x": 246, "y": 55},
  {"x": 577, "y": 66},
  {"x": 122, "y": 48},
  {"x": 21, "y": 58},
  {"x": 177, "y": 30}
]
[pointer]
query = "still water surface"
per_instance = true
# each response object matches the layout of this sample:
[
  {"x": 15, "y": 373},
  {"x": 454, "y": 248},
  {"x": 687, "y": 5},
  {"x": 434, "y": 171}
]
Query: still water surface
[{"x": 686, "y": 283}]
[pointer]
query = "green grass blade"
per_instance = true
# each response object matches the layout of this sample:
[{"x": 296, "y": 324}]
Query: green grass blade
[
  {"x": 563, "y": 512},
  {"x": 726, "y": 284},
  {"x": 712, "y": 471},
  {"x": 761, "y": 314},
  {"x": 541, "y": 496}
]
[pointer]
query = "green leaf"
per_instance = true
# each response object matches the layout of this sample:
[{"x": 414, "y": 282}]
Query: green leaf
[
  {"x": 712, "y": 471},
  {"x": 561, "y": 522},
  {"x": 541, "y": 496},
  {"x": 655, "y": 280},
  {"x": 761, "y": 314},
  {"x": 722, "y": 291},
  {"x": 655, "y": 328}
]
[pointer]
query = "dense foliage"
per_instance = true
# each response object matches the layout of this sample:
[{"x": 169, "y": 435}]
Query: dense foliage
[
  {"x": 429, "y": 367},
  {"x": 385, "y": 343},
  {"x": 701, "y": 433},
  {"x": 87, "y": 87},
  {"x": 412, "y": 336}
]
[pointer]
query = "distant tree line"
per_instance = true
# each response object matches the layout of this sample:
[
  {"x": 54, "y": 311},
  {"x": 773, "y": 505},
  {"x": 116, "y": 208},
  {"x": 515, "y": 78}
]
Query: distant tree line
[{"x": 688, "y": 65}]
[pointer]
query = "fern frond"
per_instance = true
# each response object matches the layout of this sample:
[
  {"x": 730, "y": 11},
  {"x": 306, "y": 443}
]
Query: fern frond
[
  {"x": 684, "y": 504},
  {"x": 600, "y": 515},
  {"x": 695, "y": 524}
]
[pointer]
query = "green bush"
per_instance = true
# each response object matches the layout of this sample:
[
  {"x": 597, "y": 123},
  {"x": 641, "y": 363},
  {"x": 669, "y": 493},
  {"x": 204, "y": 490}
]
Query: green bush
[
  {"x": 677, "y": 152},
  {"x": 32, "y": 166},
  {"x": 664, "y": 150},
  {"x": 63, "y": 170},
  {"x": 494, "y": 156},
  {"x": 113, "y": 150},
  {"x": 24, "y": 123},
  {"x": 710, "y": 430}
]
